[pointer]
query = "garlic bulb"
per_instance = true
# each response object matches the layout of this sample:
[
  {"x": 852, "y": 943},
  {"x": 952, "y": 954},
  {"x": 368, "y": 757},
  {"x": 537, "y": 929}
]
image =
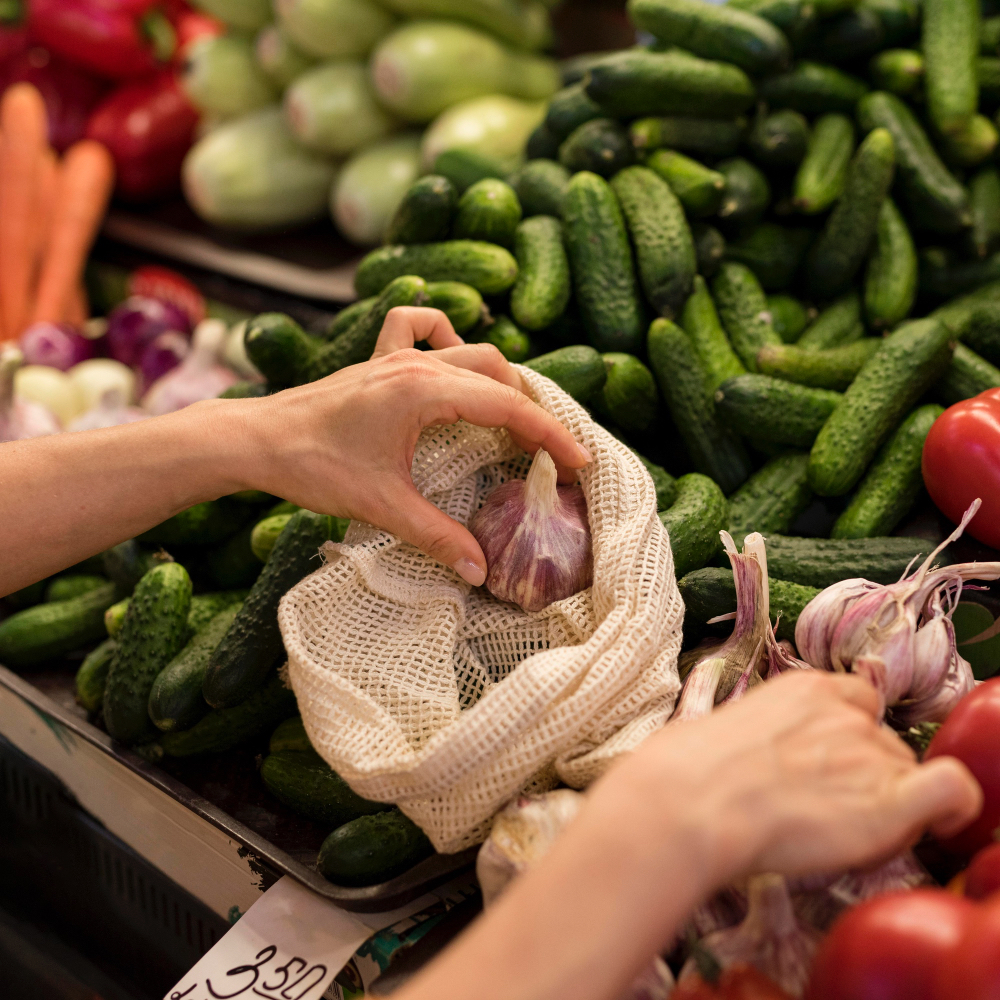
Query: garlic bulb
[
  {"x": 110, "y": 412},
  {"x": 20, "y": 418},
  {"x": 536, "y": 538}
]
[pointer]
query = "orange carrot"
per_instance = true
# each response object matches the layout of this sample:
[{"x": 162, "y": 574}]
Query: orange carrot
[
  {"x": 48, "y": 181},
  {"x": 24, "y": 125},
  {"x": 86, "y": 178}
]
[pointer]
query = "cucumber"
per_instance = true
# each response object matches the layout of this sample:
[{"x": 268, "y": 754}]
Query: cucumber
[
  {"x": 702, "y": 136},
  {"x": 899, "y": 71},
  {"x": 49, "y": 630},
  {"x": 932, "y": 197},
  {"x": 789, "y": 317},
  {"x": 698, "y": 188},
  {"x": 984, "y": 204},
  {"x": 637, "y": 83},
  {"x": 568, "y": 109},
  {"x": 968, "y": 375},
  {"x": 628, "y": 397},
  {"x": 772, "y": 252},
  {"x": 852, "y": 35},
  {"x": 279, "y": 348},
  {"x": 796, "y": 19},
  {"x": 714, "y": 32},
  {"x": 425, "y": 213},
  {"x": 372, "y": 849},
  {"x": 514, "y": 344},
  {"x": 540, "y": 186},
  {"x": 683, "y": 385},
  {"x": 204, "y": 607},
  {"x": 841, "y": 250},
  {"x": 891, "y": 275},
  {"x": 93, "y": 675},
  {"x": 175, "y": 701},
  {"x": 245, "y": 390},
  {"x": 232, "y": 565},
  {"x": 900, "y": 18},
  {"x": 464, "y": 167},
  {"x": 488, "y": 211},
  {"x": 700, "y": 321},
  {"x": 602, "y": 146},
  {"x": 747, "y": 192},
  {"x": 772, "y": 498},
  {"x": 779, "y": 139},
  {"x": 304, "y": 782},
  {"x": 542, "y": 144},
  {"x": 950, "y": 43},
  {"x": 664, "y": 248},
  {"x": 664, "y": 483},
  {"x": 709, "y": 248},
  {"x": 694, "y": 521},
  {"x": 743, "y": 309},
  {"x": 988, "y": 74},
  {"x": 970, "y": 145},
  {"x": 600, "y": 257},
  {"x": 839, "y": 323},
  {"x": 981, "y": 332},
  {"x": 989, "y": 35},
  {"x": 114, "y": 617},
  {"x": 813, "y": 89},
  {"x": 711, "y": 592},
  {"x": 911, "y": 360},
  {"x": 834, "y": 368},
  {"x": 942, "y": 275},
  {"x": 65, "y": 588},
  {"x": 154, "y": 632},
  {"x": 252, "y": 645},
  {"x": 774, "y": 412},
  {"x": 578, "y": 370},
  {"x": 892, "y": 484},
  {"x": 542, "y": 290},
  {"x": 205, "y": 523},
  {"x": 347, "y": 317},
  {"x": 462, "y": 304},
  {"x": 27, "y": 597},
  {"x": 490, "y": 269},
  {"x": 221, "y": 730},
  {"x": 821, "y": 176},
  {"x": 290, "y": 735}
]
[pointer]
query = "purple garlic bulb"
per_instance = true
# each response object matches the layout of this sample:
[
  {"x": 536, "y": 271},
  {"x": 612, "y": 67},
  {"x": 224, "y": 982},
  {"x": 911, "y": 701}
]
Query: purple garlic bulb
[{"x": 536, "y": 538}]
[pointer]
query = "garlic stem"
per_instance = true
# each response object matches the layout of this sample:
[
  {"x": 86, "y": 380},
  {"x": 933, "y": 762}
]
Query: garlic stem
[{"x": 540, "y": 486}]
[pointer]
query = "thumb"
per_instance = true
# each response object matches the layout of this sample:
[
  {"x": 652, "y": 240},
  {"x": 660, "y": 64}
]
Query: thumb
[{"x": 941, "y": 795}]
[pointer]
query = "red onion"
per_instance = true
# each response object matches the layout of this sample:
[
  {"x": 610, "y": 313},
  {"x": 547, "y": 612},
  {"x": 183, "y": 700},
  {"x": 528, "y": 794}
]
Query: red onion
[
  {"x": 162, "y": 355},
  {"x": 139, "y": 320},
  {"x": 57, "y": 345}
]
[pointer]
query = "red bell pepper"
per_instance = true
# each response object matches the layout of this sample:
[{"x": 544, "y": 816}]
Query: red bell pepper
[
  {"x": 112, "y": 38},
  {"x": 961, "y": 462},
  {"x": 149, "y": 126}
]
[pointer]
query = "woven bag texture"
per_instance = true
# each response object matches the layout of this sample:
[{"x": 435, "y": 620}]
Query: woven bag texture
[{"x": 425, "y": 692}]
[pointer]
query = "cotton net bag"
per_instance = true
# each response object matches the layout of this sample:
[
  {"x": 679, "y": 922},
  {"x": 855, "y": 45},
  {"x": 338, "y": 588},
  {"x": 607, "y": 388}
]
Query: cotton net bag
[{"x": 420, "y": 690}]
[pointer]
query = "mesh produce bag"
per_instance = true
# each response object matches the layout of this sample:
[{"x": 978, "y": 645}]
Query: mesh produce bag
[{"x": 423, "y": 691}]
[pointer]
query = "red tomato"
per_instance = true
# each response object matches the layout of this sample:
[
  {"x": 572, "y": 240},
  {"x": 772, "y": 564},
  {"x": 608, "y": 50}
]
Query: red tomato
[
  {"x": 155, "y": 282},
  {"x": 972, "y": 734},
  {"x": 982, "y": 877},
  {"x": 890, "y": 947},
  {"x": 961, "y": 462},
  {"x": 972, "y": 971},
  {"x": 738, "y": 982}
]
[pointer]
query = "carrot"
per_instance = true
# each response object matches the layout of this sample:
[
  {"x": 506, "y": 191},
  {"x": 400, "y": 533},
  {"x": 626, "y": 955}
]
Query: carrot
[
  {"x": 24, "y": 125},
  {"x": 48, "y": 181},
  {"x": 85, "y": 182}
]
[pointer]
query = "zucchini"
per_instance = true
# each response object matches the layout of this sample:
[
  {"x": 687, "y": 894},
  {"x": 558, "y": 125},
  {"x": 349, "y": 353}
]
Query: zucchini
[
  {"x": 425, "y": 213},
  {"x": 514, "y": 344},
  {"x": 253, "y": 645},
  {"x": 839, "y": 323},
  {"x": 701, "y": 136},
  {"x": 372, "y": 849},
  {"x": 772, "y": 498},
  {"x": 822, "y": 174},
  {"x": 205, "y": 523},
  {"x": 542, "y": 290},
  {"x": 700, "y": 321},
  {"x": 742, "y": 307},
  {"x": 899, "y": 71},
  {"x": 950, "y": 43},
  {"x": 65, "y": 588},
  {"x": 909, "y": 362},
  {"x": 968, "y": 375},
  {"x": 664, "y": 483},
  {"x": 93, "y": 675},
  {"x": 578, "y": 370},
  {"x": 772, "y": 252},
  {"x": 154, "y": 631},
  {"x": 290, "y": 735},
  {"x": 709, "y": 248},
  {"x": 462, "y": 304},
  {"x": 697, "y": 187},
  {"x": 779, "y": 139},
  {"x": 628, "y": 397},
  {"x": 602, "y": 146},
  {"x": 568, "y": 109},
  {"x": 835, "y": 368},
  {"x": 747, "y": 192},
  {"x": 984, "y": 204},
  {"x": 694, "y": 521},
  {"x": 813, "y": 89},
  {"x": 891, "y": 275},
  {"x": 540, "y": 186},
  {"x": 488, "y": 211},
  {"x": 789, "y": 317},
  {"x": 892, "y": 484}
]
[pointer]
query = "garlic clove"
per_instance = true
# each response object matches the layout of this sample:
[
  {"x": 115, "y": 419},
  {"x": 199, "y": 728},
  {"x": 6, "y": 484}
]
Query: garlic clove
[{"x": 821, "y": 616}]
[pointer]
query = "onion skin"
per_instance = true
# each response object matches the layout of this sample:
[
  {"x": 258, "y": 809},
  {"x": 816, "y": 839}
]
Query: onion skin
[{"x": 139, "y": 320}]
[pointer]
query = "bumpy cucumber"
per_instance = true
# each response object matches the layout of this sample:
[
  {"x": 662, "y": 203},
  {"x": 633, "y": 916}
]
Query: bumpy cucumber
[
  {"x": 835, "y": 368},
  {"x": 984, "y": 204},
  {"x": 813, "y": 89},
  {"x": 663, "y": 245},
  {"x": 774, "y": 253},
  {"x": 372, "y": 849},
  {"x": 851, "y": 35},
  {"x": 542, "y": 290},
  {"x": 600, "y": 258},
  {"x": 892, "y": 484},
  {"x": 772, "y": 498},
  {"x": 779, "y": 139},
  {"x": 796, "y": 19},
  {"x": 972, "y": 143},
  {"x": 232, "y": 565},
  {"x": 842, "y": 247},
  {"x": 694, "y": 521},
  {"x": 93, "y": 675},
  {"x": 542, "y": 144},
  {"x": 540, "y": 186},
  {"x": 891, "y": 276},
  {"x": 709, "y": 248},
  {"x": 742, "y": 307},
  {"x": 968, "y": 375},
  {"x": 664, "y": 483},
  {"x": 290, "y": 735},
  {"x": 899, "y": 71},
  {"x": 942, "y": 274},
  {"x": 280, "y": 349},
  {"x": 205, "y": 523},
  {"x": 347, "y": 317},
  {"x": 602, "y": 146},
  {"x": 989, "y": 35},
  {"x": 910, "y": 360},
  {"x": 570, "y": 108},
  {"x": 950, "y": 42},
  {"x": 204, "y": 607},
  {"x": 682, "y": 381},
  {"x": 839, "y": 323},
  {"x": 789, "y": 317},
  {"x": 265, "y": 534},
  {"x": 488, "y": 211},
  {"x": 578, "y": 370},
  {"x": 700, "y": 321},
  {"x": 821, "y": 176},
  {"x": 747, "y": 191},
  {"x": 425, "y": 213},
  {"x": 154, "y": 631},
  {"x": 704, "y": 136},
  {"x": 514, "y": 344},
  {"x": 981, "y": 332},
  {"x": 465, "y": 167},
  {"x": 628, "y": 397},
  {"x": 65, "y": 588},
  {"x": 462, "y": 304},
  {"x": 698, "y": 188}
]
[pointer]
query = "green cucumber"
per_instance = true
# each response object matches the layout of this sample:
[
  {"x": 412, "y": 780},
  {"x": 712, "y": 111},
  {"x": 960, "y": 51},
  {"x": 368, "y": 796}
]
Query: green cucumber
[
  {"x": 702, "y": 136},
  {"x": 988, "y": 74},
  {"x": 694, "y": 521},
  {"x": 464, "y": 167},
  {"x": 93, "y": 675},
  {"x": 789, "y": 317},
  {"x": 600, "y": 257},
  {"x": 372, "y": 849},
  {"x": 221, "y": 730},
  {"x": 747, "y": 192},
  {"x": 204, "y": 607},
  {"x": 854, "y": 34},
  {"x": 742, "y": 307},
  {"x": 698, "y": 188},
  {"x": 932, "y": 196},
  {"x": 972, "y": 144},
  {"x": 232, "y": 565},
  {"x": 280, "y": 349},
  {"x": 709, "y": 248},
  {"x": 841, "y": 250},
  {"x": 514, "y": 344},
  {"x": 989, "y": 35},
  {"x": 568, "y": 109},
  {"x": 834, "y": 368},
  {"x": 245, "y": 390},
  {"x": 425, "y": 213},
  {"x": 821, "y": 176},
  {"x": 839, "y": 323},
  {"x": 968, "y": 375},
  {"x": 891, "y": 275},
  {"x": 601, "y": 146},
  {"x": 950, "y": 43},
  {"x": 813, "y": 89},
  {"x": 488, "y": 211},
  {"x": 65, "y": 588},
  {"x": 714, "y": 31},
  {"x": 46, "y": 631},
  {"x": 27, "y": 597},
  {"x": 175, "y": 701},
  {"x": 542, "y": 144},
  {"x": 628, "y": 397},
  {"x": 205, "y": 523},
  {"x": 114, "y": 617},
  {"x": 797, "y": 19},
  {"x": 253, "y": 644},
  {"x": 265, "y": 534},
  {"x": 347, "y": 317},
  {"x": 290, "y": 735},
  {"x": 981, "y": 332},
  {"x": 779, "y": 139},
  {"x": 542, "y": 290},
  {"x": 772, "y": 498},
  {"x": 900, "y": 18},
  {"x": 462, "y": 304},
  {"x": 154, "y": 631},
  {"x": 304, "y": 782},
  {"x": 490, "y": 269},
  {"x": 700, "y": 321},
  {"x": 664, "y": 248},
  {"x": 774, "y": 412},
  {"x": 683, "y": 385},
  {"x": 942, "y": 275},
  {"x": 578, "y": 370},
  {"x": 774, "y": 253},
  {"x": 899, "y": 71},
  {"x": 910, "y": 361},
  {"x": 664, "y": 483},
  {"x": 540, "y": 186},
  {"x": 892, "y": 484},
  {"x": 984, "y": 203}
]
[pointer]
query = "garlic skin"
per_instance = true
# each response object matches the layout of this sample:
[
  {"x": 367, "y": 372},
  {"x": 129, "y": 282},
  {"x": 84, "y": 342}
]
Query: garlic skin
[
  {"x": 20, "y": 418},
  {"x": 820, "y": 617},
  {"x": 656, "y": 982},
  {"x": 536, "y": 538},
  {"x": 112, "y": 411}
]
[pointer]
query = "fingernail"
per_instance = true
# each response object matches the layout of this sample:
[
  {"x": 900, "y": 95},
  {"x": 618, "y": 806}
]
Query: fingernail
[
  {"x": 585, "y": 453},
  {"x": 470, "y": 572}
]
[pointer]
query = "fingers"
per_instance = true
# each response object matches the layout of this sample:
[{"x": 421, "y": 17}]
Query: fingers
[
  {"x": 858, "y": 692},
  {"x": 484, "y": 359},
  {"x": 406, "y": 325},
  {"x": 941, "y": 795}
]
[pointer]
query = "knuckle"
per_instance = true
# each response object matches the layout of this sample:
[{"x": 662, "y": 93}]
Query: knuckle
[{"x": 490, "y": 354}]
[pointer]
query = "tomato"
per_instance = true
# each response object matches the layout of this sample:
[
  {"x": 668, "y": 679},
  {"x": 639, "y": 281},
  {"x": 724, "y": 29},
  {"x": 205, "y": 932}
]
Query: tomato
[
  {"x": 155, "y": 282},
  {"x": 972, "y": 734},
  {"x": 961, "y": 462},
  {"x": 890, "y": 947},
  {"x": 738, "y": 982},
  {"x": 972, "y": 971},
  {"x": 982, "y": 877}
]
